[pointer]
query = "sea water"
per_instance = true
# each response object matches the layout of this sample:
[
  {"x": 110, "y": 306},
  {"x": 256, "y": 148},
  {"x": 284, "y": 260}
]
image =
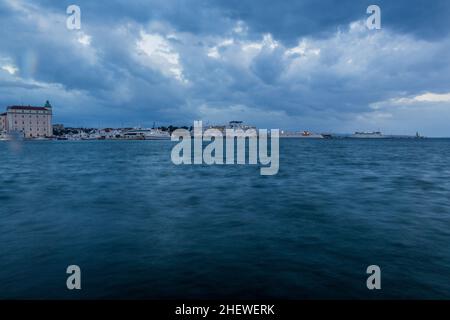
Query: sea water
[{"x": 141, "y": 227}]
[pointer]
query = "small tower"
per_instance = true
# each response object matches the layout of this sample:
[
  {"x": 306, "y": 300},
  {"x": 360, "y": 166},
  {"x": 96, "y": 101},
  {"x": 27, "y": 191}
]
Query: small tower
[{"x": 47, "y": 105}]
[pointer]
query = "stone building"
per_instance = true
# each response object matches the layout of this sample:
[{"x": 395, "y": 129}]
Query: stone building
[{"x": 31, "y": 122}]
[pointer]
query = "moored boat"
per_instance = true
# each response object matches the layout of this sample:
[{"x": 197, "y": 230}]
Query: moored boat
[
  {"x": 147, "y": 134},
  {"x": 11, "y": 136},
  {"x": 368, "y": 135},
  {"x": 302, "y": 135},
  {"x": 4, "y": 136}
]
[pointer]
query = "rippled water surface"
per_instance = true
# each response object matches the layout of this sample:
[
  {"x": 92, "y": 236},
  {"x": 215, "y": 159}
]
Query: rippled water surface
[{"x": 141, "y": 227}]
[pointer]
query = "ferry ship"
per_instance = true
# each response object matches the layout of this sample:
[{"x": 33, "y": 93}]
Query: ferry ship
[
  {"x": 238, "y": 126},
  {"x": 302, "y": 135},
  {"x": 368, "y": 135},
  {"x": 147, "y": 134}
]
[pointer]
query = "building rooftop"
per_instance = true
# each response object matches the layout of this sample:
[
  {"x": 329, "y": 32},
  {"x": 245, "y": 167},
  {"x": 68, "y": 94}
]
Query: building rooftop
[{"x": 26, "y": 108}]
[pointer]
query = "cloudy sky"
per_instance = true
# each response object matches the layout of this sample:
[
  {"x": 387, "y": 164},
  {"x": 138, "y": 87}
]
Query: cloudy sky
[{"x": 303, "y": 64}]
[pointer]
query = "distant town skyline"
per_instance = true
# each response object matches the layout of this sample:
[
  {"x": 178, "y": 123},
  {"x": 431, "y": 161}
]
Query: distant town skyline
[{"x": 296, "y": 65}]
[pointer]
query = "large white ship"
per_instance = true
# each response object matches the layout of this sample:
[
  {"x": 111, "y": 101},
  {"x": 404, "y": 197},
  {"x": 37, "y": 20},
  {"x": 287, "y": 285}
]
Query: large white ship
[
  {"x": 238, "y": 126},
  {"x": 147, "y": 134},
  {"x": 368, "y": 135}
]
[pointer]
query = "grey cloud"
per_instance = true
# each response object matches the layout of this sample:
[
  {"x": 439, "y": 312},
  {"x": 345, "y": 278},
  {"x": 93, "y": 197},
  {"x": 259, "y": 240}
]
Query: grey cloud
[{"x": 107, "y": 79}]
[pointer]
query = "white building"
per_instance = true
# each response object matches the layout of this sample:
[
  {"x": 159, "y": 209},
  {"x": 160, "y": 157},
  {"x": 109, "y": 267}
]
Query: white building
[{"x": 32, "y": 122}]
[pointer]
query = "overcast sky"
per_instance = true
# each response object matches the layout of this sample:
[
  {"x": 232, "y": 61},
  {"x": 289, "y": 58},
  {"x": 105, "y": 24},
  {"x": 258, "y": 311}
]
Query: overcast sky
[{"x": 303, "y": 65}]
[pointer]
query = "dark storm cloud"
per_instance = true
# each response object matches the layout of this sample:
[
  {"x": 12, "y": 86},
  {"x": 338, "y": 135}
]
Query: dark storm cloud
[
  {"x": 290, "y": 19},
  {"x": 286, "y": 20},
  {"x": 271, "y": 62}
]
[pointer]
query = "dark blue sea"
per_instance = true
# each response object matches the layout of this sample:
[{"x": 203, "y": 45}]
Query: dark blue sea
[{"x": 140, "y": 227}]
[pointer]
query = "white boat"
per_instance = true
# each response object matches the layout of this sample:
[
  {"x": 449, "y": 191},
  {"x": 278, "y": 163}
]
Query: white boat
[
  {"x": 232, "y": 129},
  {"x": 368, "y": 135},
  {"x": 156, "y": 134},
  {"x": 240, "y": 129},
  {"x": 239, "y": 125},
  {"x": 42, "y": 139},
  {"x": 11, "y": 136},
  {"x": 301, "y": 135},
  {"x": 4, "y": 136},
  {"x": 91, "y": 137},
  {"x": 147, "y": 134}
]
